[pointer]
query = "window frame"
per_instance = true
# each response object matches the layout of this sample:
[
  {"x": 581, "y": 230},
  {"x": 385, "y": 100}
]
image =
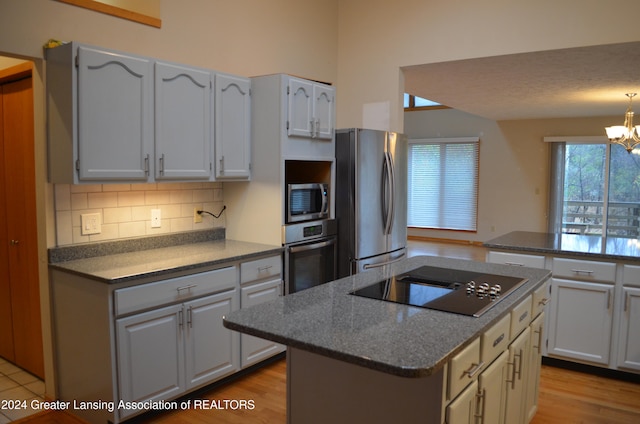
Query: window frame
[{"x": 453, "y": 140}]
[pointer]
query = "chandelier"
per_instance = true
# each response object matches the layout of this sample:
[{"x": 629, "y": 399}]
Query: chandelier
[{"x": 625, "y": 135}]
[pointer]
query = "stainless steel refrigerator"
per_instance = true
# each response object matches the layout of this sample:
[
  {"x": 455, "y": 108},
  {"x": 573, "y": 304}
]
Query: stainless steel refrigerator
[{"x": 371, "y": 198}]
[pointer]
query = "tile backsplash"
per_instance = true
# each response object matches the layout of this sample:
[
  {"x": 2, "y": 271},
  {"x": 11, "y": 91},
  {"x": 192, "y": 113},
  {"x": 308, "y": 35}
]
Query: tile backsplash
[{"x": 125, "y": 209}]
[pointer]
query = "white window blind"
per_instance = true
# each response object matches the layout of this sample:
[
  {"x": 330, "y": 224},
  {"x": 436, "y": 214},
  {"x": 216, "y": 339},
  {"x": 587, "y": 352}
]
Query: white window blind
[{"x": 443, "y": 183}]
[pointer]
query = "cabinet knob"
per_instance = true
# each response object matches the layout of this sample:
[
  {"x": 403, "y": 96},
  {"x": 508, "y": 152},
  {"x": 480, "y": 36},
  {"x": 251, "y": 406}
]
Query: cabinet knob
[{"x": 14, "y": 242}]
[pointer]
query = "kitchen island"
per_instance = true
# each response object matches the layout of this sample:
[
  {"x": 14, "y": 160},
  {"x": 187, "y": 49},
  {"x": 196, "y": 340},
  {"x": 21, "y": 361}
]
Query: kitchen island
[{"x": 353, "y": 359}]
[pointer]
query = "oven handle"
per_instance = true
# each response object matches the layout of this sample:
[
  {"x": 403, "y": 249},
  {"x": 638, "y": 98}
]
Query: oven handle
[
  {"x": 304, "y": 248},
  {"x": 377, "y": 265}
]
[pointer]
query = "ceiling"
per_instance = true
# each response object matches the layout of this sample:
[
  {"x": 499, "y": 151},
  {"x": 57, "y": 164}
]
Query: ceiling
[{"x": 577, "y": 82}]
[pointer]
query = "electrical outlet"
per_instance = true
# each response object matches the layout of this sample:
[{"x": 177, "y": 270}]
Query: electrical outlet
[
  {"x": 155, "y": 218},
  {"x": 196, "y": 216},
  {"x": 90, "y": 223}
]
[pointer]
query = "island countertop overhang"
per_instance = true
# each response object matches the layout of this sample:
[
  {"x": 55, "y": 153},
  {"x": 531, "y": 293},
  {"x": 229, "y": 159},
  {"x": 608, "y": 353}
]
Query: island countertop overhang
[{"x": 397, "y": 339}]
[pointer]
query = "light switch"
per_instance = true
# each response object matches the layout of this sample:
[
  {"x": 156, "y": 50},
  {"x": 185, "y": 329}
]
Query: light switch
[{"x": 90, "y": 223}]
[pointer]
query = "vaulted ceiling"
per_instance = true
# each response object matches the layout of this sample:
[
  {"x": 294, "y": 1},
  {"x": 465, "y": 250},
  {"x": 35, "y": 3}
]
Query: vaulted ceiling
[{"x": 576, "y": 82}]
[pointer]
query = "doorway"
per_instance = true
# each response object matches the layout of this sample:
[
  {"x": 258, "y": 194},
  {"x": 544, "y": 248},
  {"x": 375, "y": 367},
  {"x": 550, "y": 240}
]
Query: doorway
[{"x": 20, "y": 318}]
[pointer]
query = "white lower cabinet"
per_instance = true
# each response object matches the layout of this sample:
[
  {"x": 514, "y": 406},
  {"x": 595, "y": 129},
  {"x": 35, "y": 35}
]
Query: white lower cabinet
[
  {"x": 505, "y": 389},
  {"x": 629, "y": 337},
  {"x": 255, "y": 349},
  {"x": 518, "y": 367},
  {"x": 581, "y": 320},
  {"x": 464, "y": 408},
  {"x": 260, "y": 281},
  {"x": 535, "y": 364},
  {"x": 164, "y": 352},
  {"x": 158, "y": 335},
  {"x": 492, "y": 390}
]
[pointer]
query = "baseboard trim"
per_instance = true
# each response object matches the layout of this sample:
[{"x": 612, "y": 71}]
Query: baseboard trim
[
  {"x": 446, "y": 240},
  {"x": 591, "y": 369}
]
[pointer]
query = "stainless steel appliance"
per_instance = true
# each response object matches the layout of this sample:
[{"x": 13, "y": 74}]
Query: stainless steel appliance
[
  {"x": 449, "y": 290},
  {"x": 310, "y": 254},
  {"x": 306, "y": 202},
  {"x": 371, "y": 198}
]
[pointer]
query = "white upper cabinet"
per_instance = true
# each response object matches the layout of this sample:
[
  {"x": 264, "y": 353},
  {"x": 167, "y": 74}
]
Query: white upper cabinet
[
  {"x": 182, "y": 122},
  {"x": 232, "y": 127},
  {"x": 311, "y": 109},
  {"x": 114, "y": 116}
]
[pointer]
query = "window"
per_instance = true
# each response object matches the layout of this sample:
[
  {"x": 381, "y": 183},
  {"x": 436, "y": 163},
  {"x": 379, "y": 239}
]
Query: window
[
  {"x": 443, "y": 184},
  {"x": 412, "y": 102},
  {"x": 597, "y": 190}
]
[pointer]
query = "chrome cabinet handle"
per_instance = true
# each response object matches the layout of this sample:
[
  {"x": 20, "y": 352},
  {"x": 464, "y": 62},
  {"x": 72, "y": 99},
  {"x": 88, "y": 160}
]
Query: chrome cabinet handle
[
  {"x": 514, "y": 263},
  {"x": 582, "y": 271},
  {"x": 539, "y": 347},
  {"x": 190, "y": 316},
  {"x": 543, "y": 301},
  {"x": 189, "y": 287},
  {"x": 180, "y": 318},
  {"x": 161, "y": 164},
  {"x": 473, "y": 370},
  {"x": 146, "y": 164},
  {"x": 312, "y": 123},
  {"x": 515, "y": 372},
  {"x": 481, "y": 396},
  {"x": 264, "y": 268}
]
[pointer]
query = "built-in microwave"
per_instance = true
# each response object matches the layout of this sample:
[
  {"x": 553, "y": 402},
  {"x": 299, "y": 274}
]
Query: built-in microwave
[{"x": 306, "y": 202}]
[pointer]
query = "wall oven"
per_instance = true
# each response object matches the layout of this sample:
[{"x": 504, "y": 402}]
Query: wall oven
[
  {"x": 306, "y": 202},
  {"x": 310, "y": 254}
]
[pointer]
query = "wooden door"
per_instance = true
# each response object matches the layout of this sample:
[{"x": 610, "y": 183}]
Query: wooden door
[{"x": 18, "y": 217}]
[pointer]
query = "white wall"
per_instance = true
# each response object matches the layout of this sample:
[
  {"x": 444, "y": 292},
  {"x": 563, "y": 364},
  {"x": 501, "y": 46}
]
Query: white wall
[
  {"x": 378, "y": 37},
  {"x": 514, "y": 166}
]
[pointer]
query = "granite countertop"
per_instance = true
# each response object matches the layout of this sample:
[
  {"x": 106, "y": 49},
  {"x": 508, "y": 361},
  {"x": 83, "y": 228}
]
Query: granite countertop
[
  {"x": 397, "y": 339},
  {"x": 570, "y": 244},
  {"x": 118, "y": 262}
]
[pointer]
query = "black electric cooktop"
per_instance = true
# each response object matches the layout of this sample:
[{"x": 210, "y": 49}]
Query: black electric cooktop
[{"x": 449, "y": 290}]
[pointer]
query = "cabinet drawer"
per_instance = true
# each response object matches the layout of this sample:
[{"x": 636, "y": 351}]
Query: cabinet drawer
[
  {"x": 631, "y": 275},
  {"x": 541, "y": 297},
  {"x": 520, "y": 317},
  {"x": 584, "y": 270},
  {"x": 516, "y": 259},
  {"x": 495, "y": 340},
  {"x": 260, "y": 268},
  {"x": 464, "y": 368},
  {"x": 171, "y": 290}
]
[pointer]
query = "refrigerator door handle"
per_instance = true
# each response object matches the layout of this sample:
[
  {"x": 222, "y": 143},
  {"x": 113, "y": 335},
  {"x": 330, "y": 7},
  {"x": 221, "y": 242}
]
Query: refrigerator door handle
[
  {"x": 380, "y": 264},
  {"x": 385, "y": 195},
  {"x": 392, "y": 193}
]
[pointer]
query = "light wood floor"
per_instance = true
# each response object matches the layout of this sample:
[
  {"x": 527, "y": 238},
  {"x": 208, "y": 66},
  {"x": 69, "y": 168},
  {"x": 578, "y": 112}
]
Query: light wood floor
[{"x": 566, "y": 397}]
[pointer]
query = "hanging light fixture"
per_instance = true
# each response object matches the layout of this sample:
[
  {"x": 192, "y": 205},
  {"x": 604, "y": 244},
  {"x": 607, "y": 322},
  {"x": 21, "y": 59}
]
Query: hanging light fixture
[{"x": 625, "y": 135}]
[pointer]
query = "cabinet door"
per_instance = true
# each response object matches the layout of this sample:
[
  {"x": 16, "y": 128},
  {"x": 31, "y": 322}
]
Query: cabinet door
[
  {"x": 323, "y": 111},
  {"x": 462, "y": 410},
  {"x": 211, "y": 349},
  {"x": 533, "y": 380},
  {"x": 629, "y": 343},
  {"x": 150, "y": 355},
  {"x": 301, "y": 121},
  {"x": 182, "y": 122},
  {"x": 254, "y": 349},
  {"x": 581, "y": 320},
  {"x": 492, "y": 385},
  {"x": 114, "y": 116},
  {"x": 518, "y": 371},
  {"x": 232, "y": 126}
]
